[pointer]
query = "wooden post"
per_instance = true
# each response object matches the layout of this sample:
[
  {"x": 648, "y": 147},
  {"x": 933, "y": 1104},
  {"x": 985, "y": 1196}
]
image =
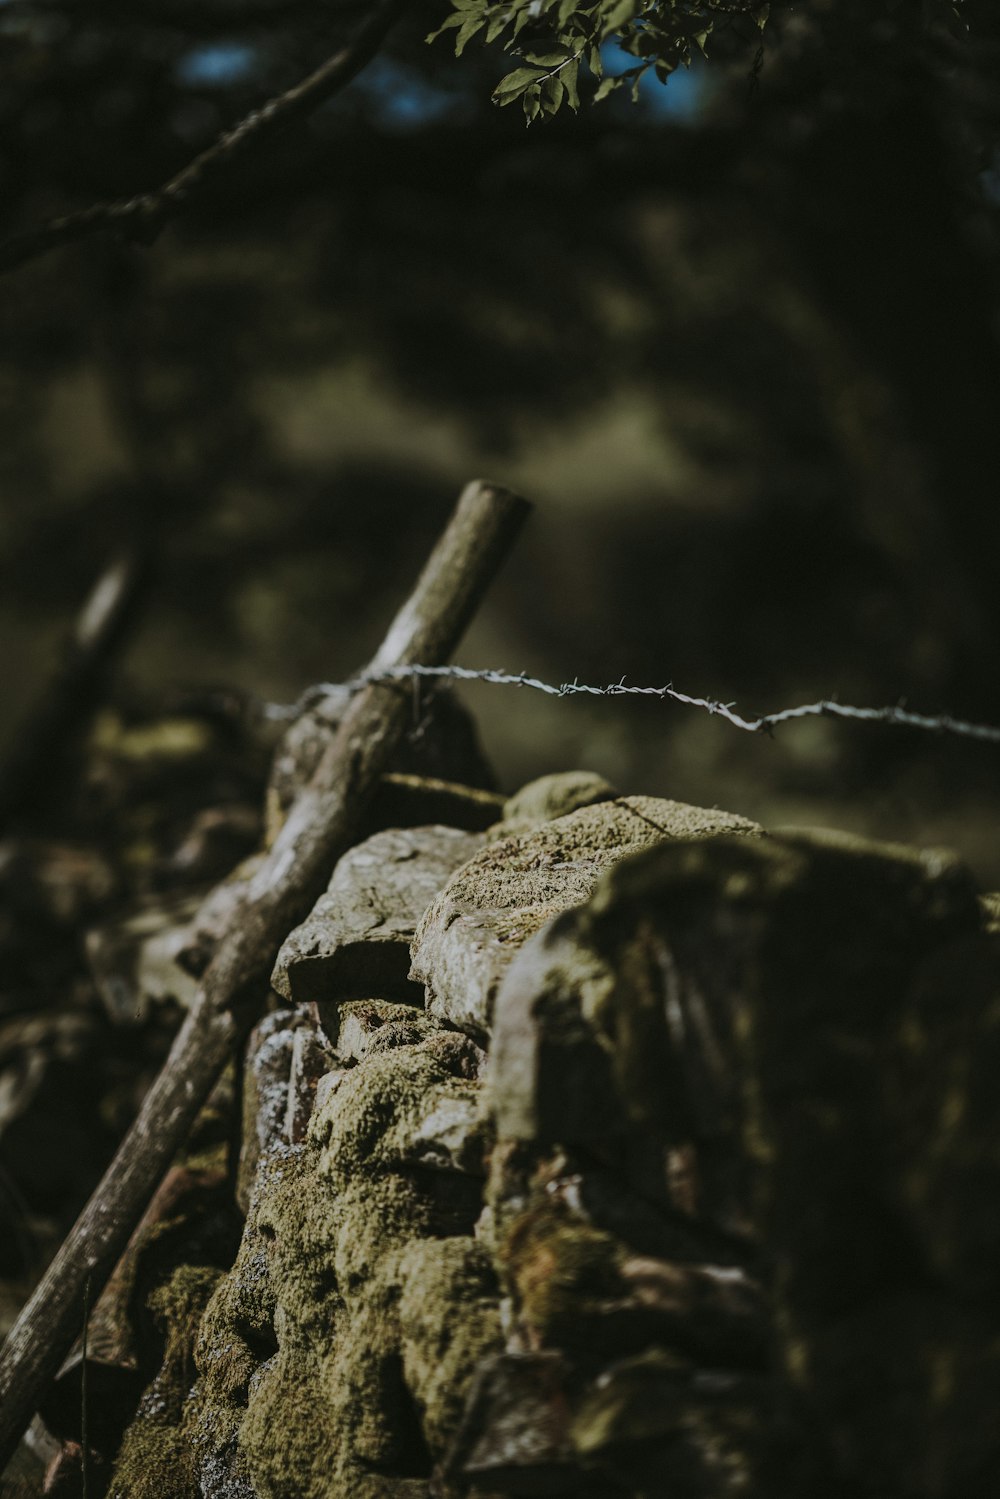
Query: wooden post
[{"x": 319, "y": 828}]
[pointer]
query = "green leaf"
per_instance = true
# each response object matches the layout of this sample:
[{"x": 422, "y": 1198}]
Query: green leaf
[
  {"x": 618, "y": 16},
  {"x": 545, "y": 59},
  {"x": 607, "y": 87},
  {"x": 467, "y": 31},
  {"x": 532, "y": 104},
  {"x": 595, "y": 62},
  {"x": 514, "y": 84},
  {"x": 552, "y": 95},
  {"x": 568, "y": 76},
  {"x": 455, "y": 19},
  {"x": 497, "y": 24}
]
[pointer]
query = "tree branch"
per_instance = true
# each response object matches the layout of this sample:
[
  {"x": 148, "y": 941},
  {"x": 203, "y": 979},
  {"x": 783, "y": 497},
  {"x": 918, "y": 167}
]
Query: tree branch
[{"x": 142, "y": 218}]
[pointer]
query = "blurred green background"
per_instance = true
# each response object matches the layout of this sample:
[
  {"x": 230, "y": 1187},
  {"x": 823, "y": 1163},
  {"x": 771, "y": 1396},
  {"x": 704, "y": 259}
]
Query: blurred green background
[{"x": 738, "y": 343}]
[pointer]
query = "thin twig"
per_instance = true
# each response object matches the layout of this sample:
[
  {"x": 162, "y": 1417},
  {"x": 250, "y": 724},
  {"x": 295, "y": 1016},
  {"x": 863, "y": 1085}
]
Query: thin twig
[
  {"x": 321, "y": 824},
  {"x": 900, "y": 716},
  {"x": 141, "y": 218}
]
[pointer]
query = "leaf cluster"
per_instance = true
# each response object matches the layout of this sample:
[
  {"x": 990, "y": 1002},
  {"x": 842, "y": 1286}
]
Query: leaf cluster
[{"x": 553, "y": 38}]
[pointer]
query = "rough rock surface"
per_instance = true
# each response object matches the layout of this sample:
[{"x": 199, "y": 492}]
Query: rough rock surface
[
  {"x": 504, "y": 894},
  {"x": 367, "y": 1024},
  {"x": 357, "y": 938},
  {"x": 335, "y": 1358},
  {"x": 796, "y": 1013},
  {"x": 551, "y": 796},
  {"x": 714, "y": 1215},
  {"x": 268, "y": 1064}
]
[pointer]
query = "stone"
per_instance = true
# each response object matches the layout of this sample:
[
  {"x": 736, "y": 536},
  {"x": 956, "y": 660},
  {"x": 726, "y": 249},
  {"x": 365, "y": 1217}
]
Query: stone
[
  {"x": 356, "y": 939},
  {"x": 444, "y": 1282},
  {"x": 661, "y": 1428},
  {"x": 578, "y": 1287},
  {"x": 515, "y": 1435},
  {"x": 552, "y": 796},
  {"x": 361, "y": 1023},
  {"x": 311, "y": 1061},
  {"x": 550, "y": 1078},
  {"x": 814, "y": 1015},
  {"x": 334, "y": 1360},
  {"x": 187, "y": 1239},
  {"x": 267, "y": 1071},
  {"x": 506, "y": 892},
  {"x": 326, "y": 1086},
  {"x": 990, "y": 905},
  {"x": 156, "y": 1457}
]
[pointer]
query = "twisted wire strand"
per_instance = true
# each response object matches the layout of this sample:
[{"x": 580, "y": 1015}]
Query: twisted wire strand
[{"x": 899, "y": 716}]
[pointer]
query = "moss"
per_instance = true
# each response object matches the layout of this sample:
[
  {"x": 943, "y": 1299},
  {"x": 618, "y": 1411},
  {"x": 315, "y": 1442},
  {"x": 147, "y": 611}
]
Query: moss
[
  {"x": 449, "y": 1321},
  {"x": 156, "y": 1458},
  {"x": 335, "y": 1358},
  {"x": 368, "y": 1124},
  {"x": 557, "y": 1267}
]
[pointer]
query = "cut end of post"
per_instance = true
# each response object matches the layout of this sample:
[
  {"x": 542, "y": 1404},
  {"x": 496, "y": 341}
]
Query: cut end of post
[
  {"x": 481, "y": 493},
  {"x": 468, "y": 554}
]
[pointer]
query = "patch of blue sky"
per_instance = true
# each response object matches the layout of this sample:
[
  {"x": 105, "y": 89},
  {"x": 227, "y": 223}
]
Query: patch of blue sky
[
  {"x": 679, "y": 101},
  {"x": 217, "y": 64},
  {"x": 402, "y": 99},
  {"x": 989, "y": 181}
]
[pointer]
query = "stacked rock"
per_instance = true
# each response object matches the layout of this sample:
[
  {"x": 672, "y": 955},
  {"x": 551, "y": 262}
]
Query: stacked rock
[{"x": 617, "y": 1149}]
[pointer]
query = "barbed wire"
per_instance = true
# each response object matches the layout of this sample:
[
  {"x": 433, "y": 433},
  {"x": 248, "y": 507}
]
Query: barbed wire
[{"x": 899, "y": 716}]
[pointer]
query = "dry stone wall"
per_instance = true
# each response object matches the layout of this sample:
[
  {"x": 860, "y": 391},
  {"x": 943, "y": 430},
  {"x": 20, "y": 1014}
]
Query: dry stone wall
[{"x": 620, "y": 1150}]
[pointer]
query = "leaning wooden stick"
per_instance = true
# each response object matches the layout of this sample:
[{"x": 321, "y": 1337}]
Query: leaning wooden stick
[
  {"x": 74, "y": 692},
  {"x": 319, "y": 827}
]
